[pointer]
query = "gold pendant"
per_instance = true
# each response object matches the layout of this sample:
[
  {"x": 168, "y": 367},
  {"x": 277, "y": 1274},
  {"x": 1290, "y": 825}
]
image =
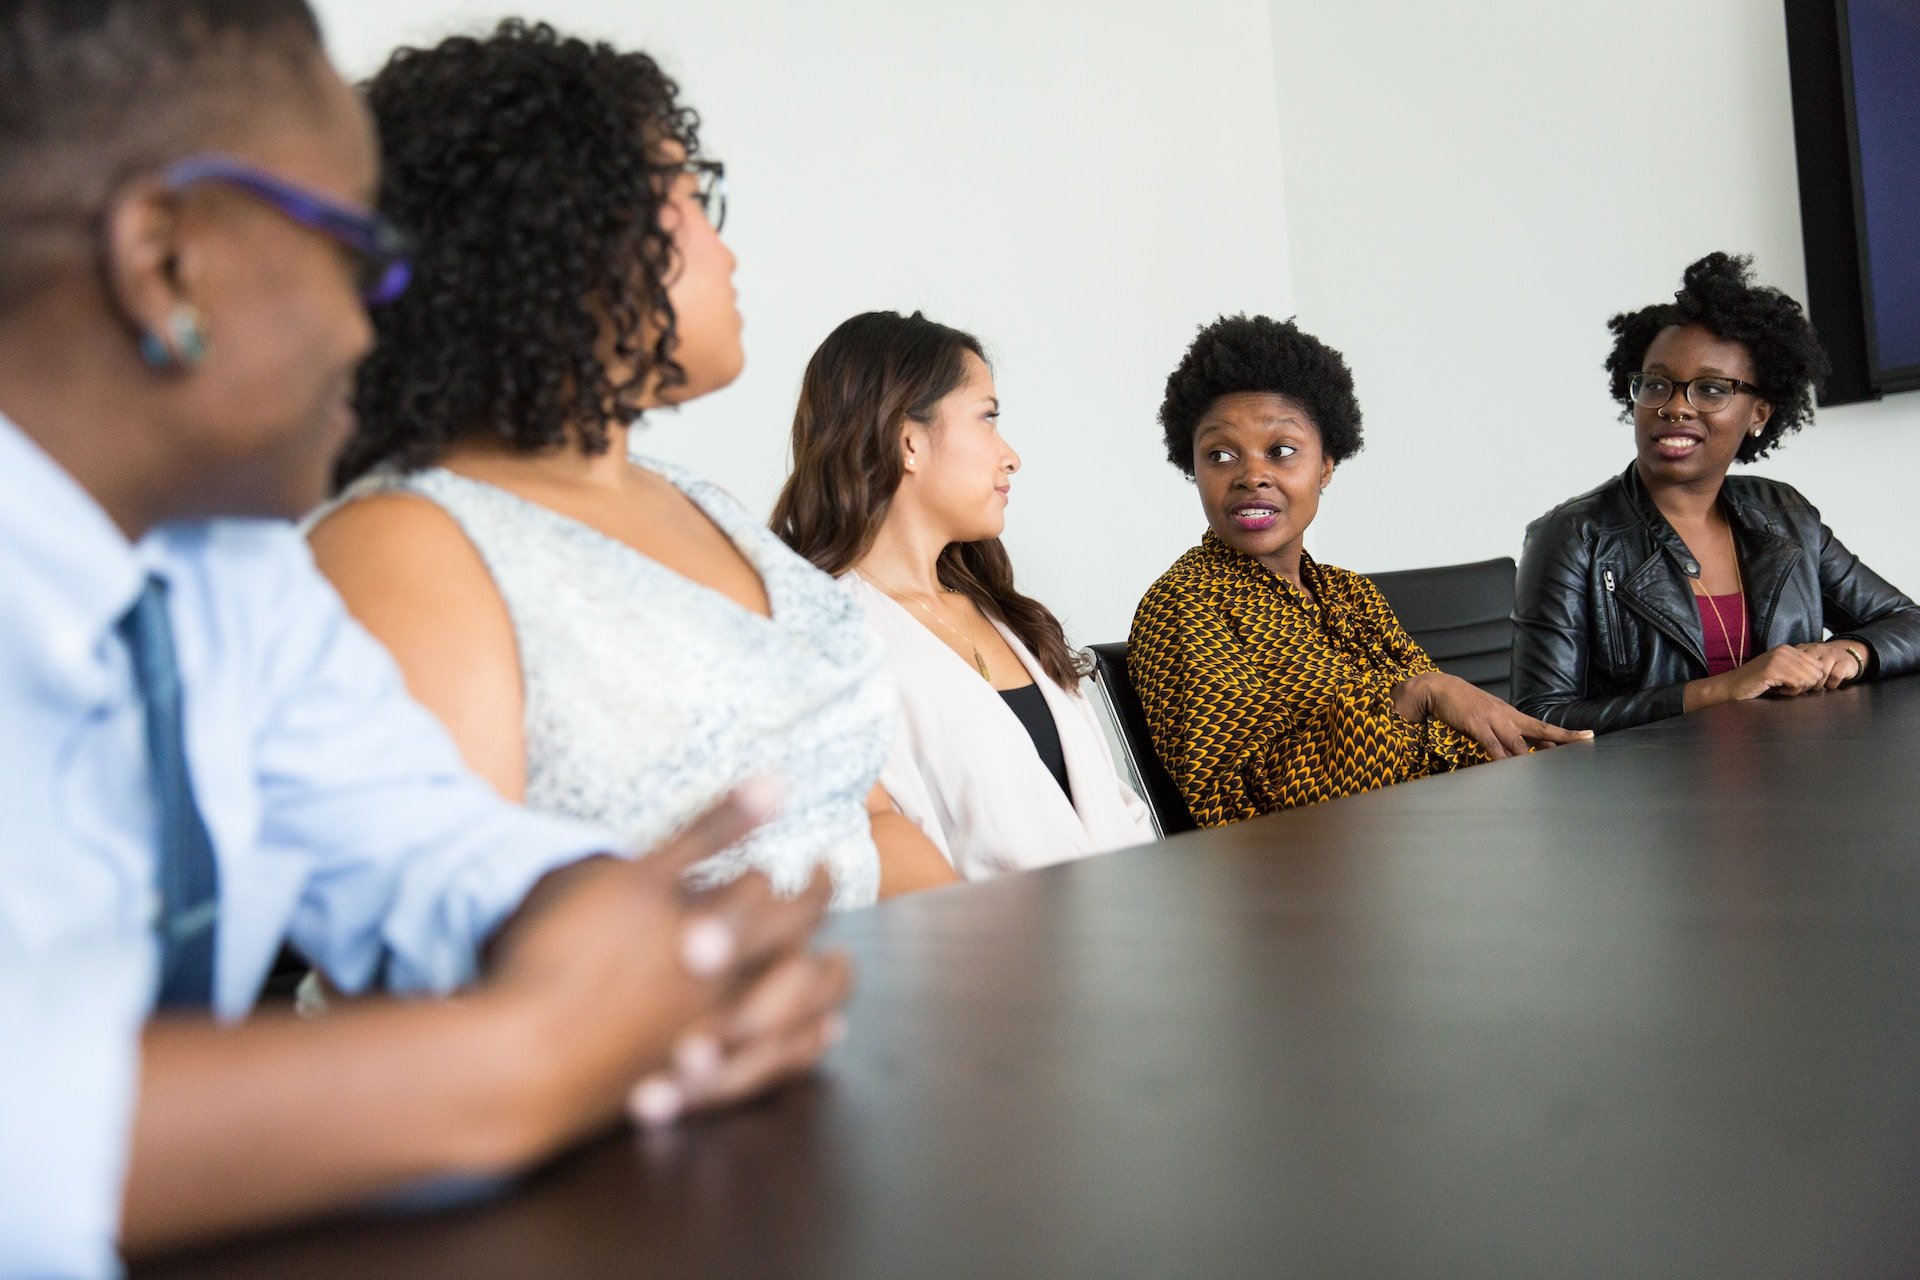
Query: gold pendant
[{"x": 980, "y": 665}]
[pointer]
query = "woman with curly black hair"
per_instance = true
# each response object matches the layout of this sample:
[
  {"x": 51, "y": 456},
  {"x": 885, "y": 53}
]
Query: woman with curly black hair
[
  {"x": 606, "y": 637},
  {"x": 1271, "y": 680},
  {"x": 1675, "y": 586}
]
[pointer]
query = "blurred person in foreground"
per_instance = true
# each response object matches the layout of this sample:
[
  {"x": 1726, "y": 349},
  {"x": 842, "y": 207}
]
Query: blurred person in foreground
[{"x": 204, "y": 755}]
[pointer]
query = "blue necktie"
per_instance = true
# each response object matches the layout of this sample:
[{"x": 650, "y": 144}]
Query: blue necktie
[{"x": 188, "y": 879}]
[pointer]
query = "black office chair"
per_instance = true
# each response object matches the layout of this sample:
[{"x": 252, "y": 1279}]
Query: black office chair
[
  {"x": 1462, "y": 615},
  {"x": 1110, "y": 676}
]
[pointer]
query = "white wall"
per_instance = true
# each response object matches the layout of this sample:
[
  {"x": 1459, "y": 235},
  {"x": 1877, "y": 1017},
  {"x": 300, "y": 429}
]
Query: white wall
[
  {"x": 1462, "y": 196},
  {"x": 1079, "y": 182},
  {"x": 1082, "y": 183}
]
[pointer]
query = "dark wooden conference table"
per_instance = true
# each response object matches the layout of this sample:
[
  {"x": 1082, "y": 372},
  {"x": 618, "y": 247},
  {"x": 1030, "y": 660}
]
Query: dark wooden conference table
[{"x": 1649, "y": 1007}]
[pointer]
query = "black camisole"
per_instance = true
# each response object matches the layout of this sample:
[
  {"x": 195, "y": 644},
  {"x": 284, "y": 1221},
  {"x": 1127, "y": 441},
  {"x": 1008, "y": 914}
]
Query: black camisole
[{"x": 1030, "y": 705}]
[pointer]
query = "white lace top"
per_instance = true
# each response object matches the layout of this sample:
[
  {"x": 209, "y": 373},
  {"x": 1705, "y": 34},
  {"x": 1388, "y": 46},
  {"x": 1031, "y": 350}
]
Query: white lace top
[{"x": 648, "y": 695}]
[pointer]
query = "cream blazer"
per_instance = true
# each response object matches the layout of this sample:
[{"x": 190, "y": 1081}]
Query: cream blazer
[{"x": 964, "y": 769}]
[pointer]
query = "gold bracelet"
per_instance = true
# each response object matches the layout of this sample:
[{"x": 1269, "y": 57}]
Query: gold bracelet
[{"x": 1859, "y": 662}]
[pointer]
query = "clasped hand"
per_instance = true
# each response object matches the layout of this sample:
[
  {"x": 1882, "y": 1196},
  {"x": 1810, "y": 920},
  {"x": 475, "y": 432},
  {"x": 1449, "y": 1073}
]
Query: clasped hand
[
  {"x": 1794, "y": 669},
  {"x": 666, "y": 1000}
]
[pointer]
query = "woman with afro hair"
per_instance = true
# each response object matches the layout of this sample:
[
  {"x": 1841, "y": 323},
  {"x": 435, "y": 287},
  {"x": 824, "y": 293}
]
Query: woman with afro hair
[
  {"x": 606, "y": 637},
  {"x": 1675, "y": 586},
  {"x": 1271, "y": 680}
]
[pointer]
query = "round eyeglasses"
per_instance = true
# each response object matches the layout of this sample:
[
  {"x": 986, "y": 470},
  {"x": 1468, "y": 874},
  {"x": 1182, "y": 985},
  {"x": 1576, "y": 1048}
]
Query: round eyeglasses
[
  {"x": 1653, "y": 390},
  {"x": 710, "y": 189}
]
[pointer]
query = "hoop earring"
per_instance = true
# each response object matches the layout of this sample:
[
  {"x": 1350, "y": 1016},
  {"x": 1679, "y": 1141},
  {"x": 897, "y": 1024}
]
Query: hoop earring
[{"x": 185, "y": 345}]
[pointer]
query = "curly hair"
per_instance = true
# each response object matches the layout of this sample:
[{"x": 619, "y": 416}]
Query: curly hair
[
  {"x": 532, "y": 169},
  {"x": 95, "y": 92},
  {"x": 1717, "y": 293},
  {"x": 1253, "y": 353},
  {"x": 873, "y": 373}
]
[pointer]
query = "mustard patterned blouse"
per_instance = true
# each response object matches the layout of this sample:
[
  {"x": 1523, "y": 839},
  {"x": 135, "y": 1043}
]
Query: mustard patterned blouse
[{"x": 1259, "y": 699}]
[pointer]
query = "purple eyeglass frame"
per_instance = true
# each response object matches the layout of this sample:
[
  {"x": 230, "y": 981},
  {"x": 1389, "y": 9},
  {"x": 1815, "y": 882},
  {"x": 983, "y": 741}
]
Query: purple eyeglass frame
[{"x": 383, "y": 250}]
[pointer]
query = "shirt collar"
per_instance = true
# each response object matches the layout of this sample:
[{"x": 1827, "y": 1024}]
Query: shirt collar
[
  {"x": 1250, "y": 572},
  {"x": 69, "y": 568},
  {"x": 1217, "y": 547},
  {"x": 1749, "y": 522}
]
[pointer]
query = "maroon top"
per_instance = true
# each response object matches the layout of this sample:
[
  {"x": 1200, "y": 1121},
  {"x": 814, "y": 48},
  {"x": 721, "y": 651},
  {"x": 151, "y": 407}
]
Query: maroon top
[{"x": 1725, "y": 648}]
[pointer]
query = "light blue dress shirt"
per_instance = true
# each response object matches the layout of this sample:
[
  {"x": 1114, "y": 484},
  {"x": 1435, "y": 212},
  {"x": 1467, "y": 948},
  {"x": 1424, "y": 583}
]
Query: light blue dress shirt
[{"x": 341, "y": 816}]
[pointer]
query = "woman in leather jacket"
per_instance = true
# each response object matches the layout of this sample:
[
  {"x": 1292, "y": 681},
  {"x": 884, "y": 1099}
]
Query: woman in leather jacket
[{"x": 1674, "y": 586}]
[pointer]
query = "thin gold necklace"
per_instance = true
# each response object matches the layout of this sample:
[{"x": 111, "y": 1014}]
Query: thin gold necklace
[
  {"x": 979, "y": 663},
  {"x": 1740, "y": 659}
]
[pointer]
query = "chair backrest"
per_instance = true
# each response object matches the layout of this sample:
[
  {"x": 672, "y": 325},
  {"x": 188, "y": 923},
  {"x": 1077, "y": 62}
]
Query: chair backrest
[
  {"x": 1110, "y": 676},
  {"x": 1462, "y": 615}
]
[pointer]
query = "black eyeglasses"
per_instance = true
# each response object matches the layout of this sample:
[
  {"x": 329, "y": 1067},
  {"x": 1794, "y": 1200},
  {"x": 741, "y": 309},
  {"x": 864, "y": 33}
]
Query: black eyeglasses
[
  {"x": 380, "y": 250},
  {"x": 710, "y": 189},
  {"x": 1653, "y": 390}
]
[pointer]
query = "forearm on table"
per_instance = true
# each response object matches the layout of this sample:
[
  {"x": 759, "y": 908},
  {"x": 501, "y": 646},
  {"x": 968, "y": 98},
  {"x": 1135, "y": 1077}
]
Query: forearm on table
[
  {"x": 279, "y": 1117},
  {"x": 1621, "y": 711},
  {"x": 1698, "y": 695},
  {"x": 547, "y": 888}
]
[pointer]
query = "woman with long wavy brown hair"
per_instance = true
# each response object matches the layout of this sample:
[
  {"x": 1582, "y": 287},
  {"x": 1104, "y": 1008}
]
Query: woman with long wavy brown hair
[{"x": 900, "y": 487}]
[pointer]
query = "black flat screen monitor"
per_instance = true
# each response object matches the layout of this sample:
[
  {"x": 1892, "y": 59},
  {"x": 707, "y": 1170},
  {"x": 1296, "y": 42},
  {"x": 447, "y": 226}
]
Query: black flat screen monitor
[{"x": 1880, "y": 57}]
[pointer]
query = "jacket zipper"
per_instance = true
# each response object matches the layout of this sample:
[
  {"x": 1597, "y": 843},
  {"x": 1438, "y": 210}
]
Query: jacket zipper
[{"x": 1613, "y": 622}]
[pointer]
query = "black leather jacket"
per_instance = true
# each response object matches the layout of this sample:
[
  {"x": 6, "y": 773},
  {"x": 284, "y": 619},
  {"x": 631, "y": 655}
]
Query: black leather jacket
[{"x": 1606, "y": 632}]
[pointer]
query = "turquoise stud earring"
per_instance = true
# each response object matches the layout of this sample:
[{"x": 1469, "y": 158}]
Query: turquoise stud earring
[{"x": 185, "y": 345}]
